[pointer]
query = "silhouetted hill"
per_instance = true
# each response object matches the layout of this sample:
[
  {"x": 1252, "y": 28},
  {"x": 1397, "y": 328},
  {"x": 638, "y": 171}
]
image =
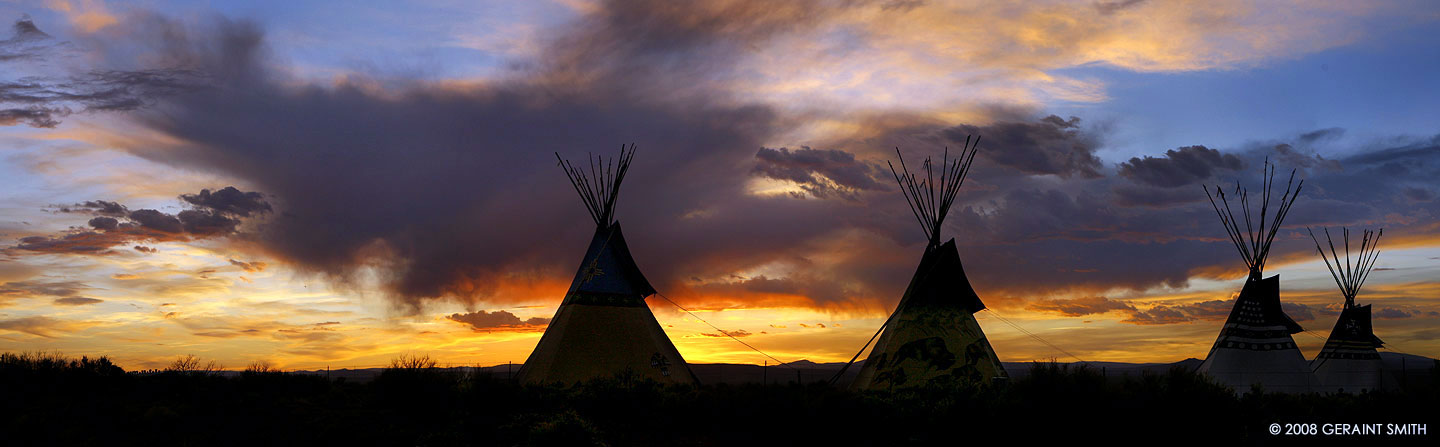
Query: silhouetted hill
[{"x": 807, "y": 371}]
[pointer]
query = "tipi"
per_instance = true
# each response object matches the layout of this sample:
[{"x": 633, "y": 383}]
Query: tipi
[
  {"x": 1254, "y": 346},
  {"x": 932, "y": 336},
  {"x": 1349, "y": 361},
  {"x": 603, "y": 326}
]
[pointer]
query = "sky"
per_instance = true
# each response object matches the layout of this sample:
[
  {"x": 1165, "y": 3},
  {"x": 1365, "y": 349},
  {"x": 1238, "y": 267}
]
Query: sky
[{"x": 312, "y": 184}]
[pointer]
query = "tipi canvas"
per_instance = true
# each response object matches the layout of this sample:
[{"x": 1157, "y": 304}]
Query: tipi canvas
[{"x": 603, "y": 326}]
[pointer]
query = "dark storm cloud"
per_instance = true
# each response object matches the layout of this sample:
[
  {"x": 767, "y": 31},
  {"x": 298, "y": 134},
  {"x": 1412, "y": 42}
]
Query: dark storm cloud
[
  {"x": 450, "y": 189},
  {"x": 43, "y": 100},
  {"x": 115, "y": 225},
  {"x": 207, "y": 223},
  {"x": 1051, "y": 145},
  {"x": 104, "y": 223},
  {"x": 1178, "y": 167},
  {"x": 157, "y": 221},
  {"x": 821, "y": 173},
  {"x": 229, "y": 201},
  {"x": 481, "y": 320}
]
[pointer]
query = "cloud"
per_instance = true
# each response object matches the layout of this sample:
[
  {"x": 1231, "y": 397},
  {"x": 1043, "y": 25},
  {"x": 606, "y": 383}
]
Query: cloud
[
  {"x": 1213, "y": 310},
  {"x": 25, "y": 289},
  {"x": 26, "y": 42},
  {"x": 252, "y": 266},
  {"x": 1079, "y": 307},
  {"x": 1157, "y": 315},
  {"x": 1321, "y": 135},
  {"x": 1130, "y": 195},
  {"x": 42, "y": 100},
  {"x": 1051, "y": 145},
  {"x": 1179, "y": 167},
  {"x": 360, "y": 171},
  {"x": 1297, "y": 311},
  {"x": 727, "y": 334},
  {"x": 1419, "y": 194},
  {"x": 98, "y": 207},
  {"x": 1287, "y": 155},
  {"x": 77, "y": 301},
  {"x": 481, "y": 320},
  {"x": 115, "y": 225},
  {"x": 104, "y": 223},
  {"x": 1389, "y": 313},
  {"x": 1108, "y": 8},
  {"x": 42, "y": 326},
  {"x": 230, "y": 201},
  {"x": 821, "y": 173},
  {"x": 33, "y": 116}
]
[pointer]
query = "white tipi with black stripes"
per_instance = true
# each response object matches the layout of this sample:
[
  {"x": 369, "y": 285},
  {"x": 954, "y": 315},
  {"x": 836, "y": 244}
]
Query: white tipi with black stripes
[
  {"x": 1255, "y": 346},
  {"x": 1349, "y": 361}
]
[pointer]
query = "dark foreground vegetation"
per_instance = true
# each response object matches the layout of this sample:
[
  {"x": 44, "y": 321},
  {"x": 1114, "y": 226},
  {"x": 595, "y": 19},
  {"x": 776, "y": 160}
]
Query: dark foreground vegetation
[{"x": 54, "y": 400}]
